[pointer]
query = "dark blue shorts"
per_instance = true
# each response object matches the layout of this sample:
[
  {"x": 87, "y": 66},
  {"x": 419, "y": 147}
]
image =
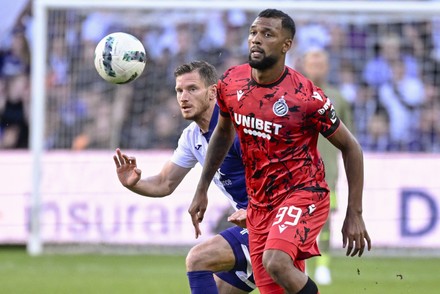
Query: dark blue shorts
[{"x": 241, "y": 276}]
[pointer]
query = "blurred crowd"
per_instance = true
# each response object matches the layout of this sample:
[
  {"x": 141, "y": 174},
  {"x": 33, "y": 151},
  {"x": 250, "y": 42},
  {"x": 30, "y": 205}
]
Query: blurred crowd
[{"x": 388, "y": 70}]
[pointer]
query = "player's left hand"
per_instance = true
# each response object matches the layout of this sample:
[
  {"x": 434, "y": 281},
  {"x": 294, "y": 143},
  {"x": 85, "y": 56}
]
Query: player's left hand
[
  {"x": 354, "y": 234},
  {"x": 238, "y": 218}
]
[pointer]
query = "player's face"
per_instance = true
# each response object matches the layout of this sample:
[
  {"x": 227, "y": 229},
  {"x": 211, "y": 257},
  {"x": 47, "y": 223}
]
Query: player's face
[
  {"x": 193, "y": 96},
  {"x": 267, "y": 42}
]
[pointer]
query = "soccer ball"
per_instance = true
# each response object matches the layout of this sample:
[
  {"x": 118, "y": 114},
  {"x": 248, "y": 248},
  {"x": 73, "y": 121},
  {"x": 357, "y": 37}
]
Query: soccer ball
[{"x": 120, "y": 58}]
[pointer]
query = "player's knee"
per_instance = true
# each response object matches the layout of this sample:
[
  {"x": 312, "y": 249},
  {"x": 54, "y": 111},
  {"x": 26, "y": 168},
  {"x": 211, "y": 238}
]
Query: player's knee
[
  {"x": 197, "y": 259},
  {"x": 274, "y": 262},
  {"x": 192, "y": 259}
]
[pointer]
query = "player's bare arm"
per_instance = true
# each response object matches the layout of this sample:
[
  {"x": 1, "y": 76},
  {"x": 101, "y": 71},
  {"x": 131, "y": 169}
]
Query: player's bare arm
[
  {"x": 159, "y": 185},
  {"x": 221, "y": 140},
  {"x": 354, "y": 233}
]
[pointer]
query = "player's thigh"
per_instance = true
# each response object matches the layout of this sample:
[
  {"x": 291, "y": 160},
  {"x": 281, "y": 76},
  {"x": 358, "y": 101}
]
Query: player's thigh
[
  {"x": 214, "y": 254},
  {"x": 226, "y": 288},
  {"x": 297, "y": 224}
]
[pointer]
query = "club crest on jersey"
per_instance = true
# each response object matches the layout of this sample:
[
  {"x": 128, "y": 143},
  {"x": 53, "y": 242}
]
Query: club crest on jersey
[{"x": 280, "y": 107}]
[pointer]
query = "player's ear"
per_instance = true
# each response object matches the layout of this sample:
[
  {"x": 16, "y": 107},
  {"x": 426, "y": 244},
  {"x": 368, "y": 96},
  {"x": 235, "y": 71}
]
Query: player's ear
[
  {"x": 287, "y": 45},
  {"x": 213, "y": 91}
]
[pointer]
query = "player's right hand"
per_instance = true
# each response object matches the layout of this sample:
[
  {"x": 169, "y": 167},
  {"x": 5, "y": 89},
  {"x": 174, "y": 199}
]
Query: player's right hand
[
  {"x": 238, "y": 218},
  {"x": 126, "y": 169},
  {"x": 197, "y": 210}
]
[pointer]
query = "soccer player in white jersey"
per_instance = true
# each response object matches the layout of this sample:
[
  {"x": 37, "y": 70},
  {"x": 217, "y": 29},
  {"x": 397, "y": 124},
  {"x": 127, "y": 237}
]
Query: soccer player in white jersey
[{"x": 220, "y": 264}]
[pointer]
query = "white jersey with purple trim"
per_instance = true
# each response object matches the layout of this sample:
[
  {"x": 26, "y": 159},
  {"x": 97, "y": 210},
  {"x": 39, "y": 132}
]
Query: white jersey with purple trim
[{"x": 192, "y": 148}]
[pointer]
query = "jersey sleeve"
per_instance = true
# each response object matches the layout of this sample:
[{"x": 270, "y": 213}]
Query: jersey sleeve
[
  {"x": 323, "y": 113},
  {"x": 183, "y": 155},
  {"x": 220, "y": 99}
]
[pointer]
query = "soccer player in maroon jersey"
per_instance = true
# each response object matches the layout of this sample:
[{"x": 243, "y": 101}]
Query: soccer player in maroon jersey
[{"x": 278, "y": 115}]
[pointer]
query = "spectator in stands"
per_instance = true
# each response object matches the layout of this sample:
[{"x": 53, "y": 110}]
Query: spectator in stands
[
  {"x": 228, "y": 32},
  {"x": 213, "y": 32},
  {"x": 435, "y": 37},
  {"x": 101, "y": 126},
  {"x": 377, "y": 70},
  {"x": 337, "y": 51},
  {"x": 14, "y": 113},
  {"x": 364, "y": 106},
  {"x": 347, "y": 82},
  {"x": 59, "y": 64},
  {"x": 357, "y": 45},
  {"x": 96, "y": 25},
  {"x": 378, "y": 135},
  {"x": 429, "y": 135},
  {"x": 16, "y": 60},
  {"x": 313, "y": 34},
  {"x": 347, "y": 42},
  {"x": 402, "y": 96},
  {"x": 67, "y": 117}
]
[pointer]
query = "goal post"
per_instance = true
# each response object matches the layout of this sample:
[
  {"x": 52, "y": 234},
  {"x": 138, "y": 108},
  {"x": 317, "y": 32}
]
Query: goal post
[
  {"x": 38, "y": 102},
  {"x": 44, "y": 12}
]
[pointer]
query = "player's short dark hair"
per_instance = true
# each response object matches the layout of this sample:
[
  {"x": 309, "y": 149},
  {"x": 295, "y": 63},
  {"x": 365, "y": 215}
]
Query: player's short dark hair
[
  {"x": 286, "y": 21},
  {"x": 207, "y": 71}
]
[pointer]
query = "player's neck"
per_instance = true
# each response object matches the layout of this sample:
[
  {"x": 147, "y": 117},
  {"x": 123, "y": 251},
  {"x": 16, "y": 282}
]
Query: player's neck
[
  {"x": 205, "y": 119},
  {"x": 268, "y": 76}
]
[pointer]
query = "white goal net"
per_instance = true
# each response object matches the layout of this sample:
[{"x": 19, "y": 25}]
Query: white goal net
[{"x": 73, "y": 108}]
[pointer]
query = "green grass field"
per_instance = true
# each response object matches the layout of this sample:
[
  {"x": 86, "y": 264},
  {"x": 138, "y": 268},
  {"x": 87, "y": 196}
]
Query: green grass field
[{"x": 165, "y": 274}]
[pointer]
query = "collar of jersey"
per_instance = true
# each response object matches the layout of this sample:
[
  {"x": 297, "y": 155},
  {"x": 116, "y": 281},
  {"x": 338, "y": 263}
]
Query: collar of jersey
[
  {"x": 212, "y": 123},
  {"x": 281, "y": 78}
]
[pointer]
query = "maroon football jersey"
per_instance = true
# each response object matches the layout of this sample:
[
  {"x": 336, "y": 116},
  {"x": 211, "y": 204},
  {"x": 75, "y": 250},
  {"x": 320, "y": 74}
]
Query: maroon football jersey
[{"x": 278, "y": 126}]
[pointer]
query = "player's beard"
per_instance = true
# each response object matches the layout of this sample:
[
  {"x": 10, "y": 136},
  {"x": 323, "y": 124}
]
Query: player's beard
[
  {"x": 199, "y": 110},
  {"x": 265, "y": 63}
]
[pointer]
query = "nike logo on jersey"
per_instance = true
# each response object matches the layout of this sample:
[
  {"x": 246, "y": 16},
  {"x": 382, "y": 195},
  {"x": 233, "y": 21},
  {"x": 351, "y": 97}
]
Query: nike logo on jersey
[{"x": 239, "y": 94}]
